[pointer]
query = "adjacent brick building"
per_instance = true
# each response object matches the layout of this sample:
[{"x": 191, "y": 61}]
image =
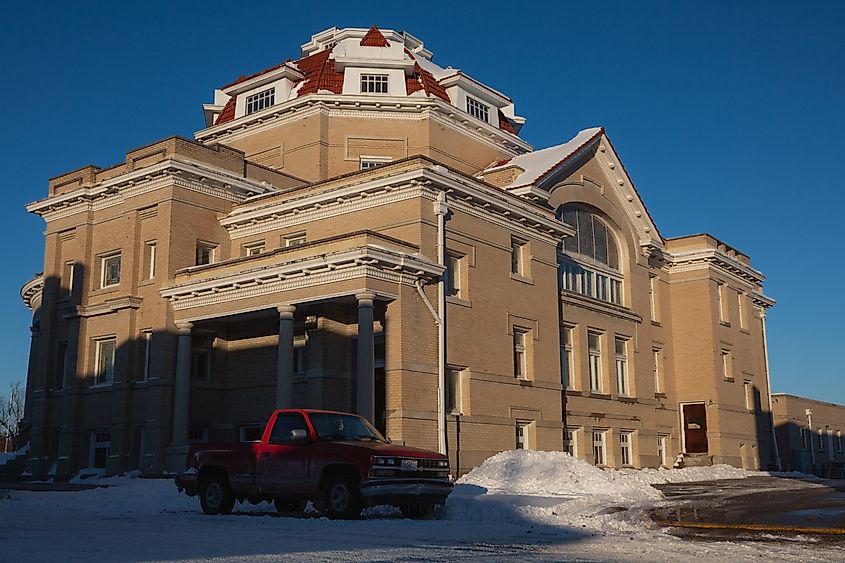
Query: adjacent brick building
[{"x": 301, "y": 249}]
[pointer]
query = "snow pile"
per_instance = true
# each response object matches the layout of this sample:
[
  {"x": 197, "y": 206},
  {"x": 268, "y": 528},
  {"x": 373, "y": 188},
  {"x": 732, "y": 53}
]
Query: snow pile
[
  {"x": 651, "y": 476},
  {"x": 8, "y": 456}
]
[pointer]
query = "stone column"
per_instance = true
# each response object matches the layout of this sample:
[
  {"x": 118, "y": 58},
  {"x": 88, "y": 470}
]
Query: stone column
[
  {"x": 182, "y": 391},
  {"x": 366, "y": 357},
  {"x": 284, "y": 366}
]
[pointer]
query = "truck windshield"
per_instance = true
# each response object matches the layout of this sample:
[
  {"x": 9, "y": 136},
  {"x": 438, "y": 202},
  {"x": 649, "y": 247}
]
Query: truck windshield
[{"x": 330, "y": 426}]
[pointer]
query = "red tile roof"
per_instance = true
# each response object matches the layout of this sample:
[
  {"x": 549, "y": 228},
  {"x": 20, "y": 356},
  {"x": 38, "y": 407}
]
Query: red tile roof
[
  {"x": 228, "y": 113},
  {"x": 374, "y": 38},
  {"x": 245, "y": 78},
  {"x": 505, "y": 124},
  {"x": 424, "y": 80},
  {"x": 319, "y": 74}
]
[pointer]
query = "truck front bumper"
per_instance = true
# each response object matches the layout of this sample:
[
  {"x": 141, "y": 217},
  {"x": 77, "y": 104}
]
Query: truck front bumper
[
  {"x": 188, "y": 481},
  {"x": 400, "y": 491}
]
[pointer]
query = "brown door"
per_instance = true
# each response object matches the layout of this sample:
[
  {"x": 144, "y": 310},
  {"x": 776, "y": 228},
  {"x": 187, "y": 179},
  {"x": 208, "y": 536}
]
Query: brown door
[{"x": 695, "y": 428}]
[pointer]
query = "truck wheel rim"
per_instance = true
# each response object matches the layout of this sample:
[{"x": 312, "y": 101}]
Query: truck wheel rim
[
  {"x": 340, "y": 497},
  {"x": 213, "y": 494}
]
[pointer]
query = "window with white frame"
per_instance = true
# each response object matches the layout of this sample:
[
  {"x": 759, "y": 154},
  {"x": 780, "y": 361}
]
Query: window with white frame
[
  {"x": 590, "y": 262},
  {"x": 820, "y": 438},
  {"x": 740, "y": 303},
  {"x": 520, "y": 353},
  {"x": 150, "y": 259},
  {"x": 594, "y": 365},
  {"x": 652, "y": 298},
  {"x": 260, "y": 101},
  {"x": 205, "y": 253},
  {"x": 67, "y": 278},
  {"x": 254, "y": 248},
  {"x": 295, "y": 239},
  {"x": 453, "y": 273},
  {"x": 626, "y": 447},
  {"x": 100, "y": 449},
  {"x": 662, "y": 444},
  {"x": 110, "y": 269},
  {"x": 721, "y": 302},
  {"x": 749, "y": 394},
  {"x": 657, "y": 369},
  {"x": 599, "y": 447},
  {"x": 621, "y": 349},
  {"x": 519, "y": 249},
  {"x": 570, "y": 441},
  {"x": 368, "y": 162},
  {"x": 374, "y": 84},
  {"x": 148, "y": 347},
  {"x": 727, "y": 364},
  {"x": 478, "y": 110},
  {"x": 805, "y": 438},
  {"x": 104, "y": 352},
  {"x": 299, "y": 356},
  {"x": 523, "y": 428},
  {"x": 567, "y": 358},
  {"x": 454, "y": 388}
]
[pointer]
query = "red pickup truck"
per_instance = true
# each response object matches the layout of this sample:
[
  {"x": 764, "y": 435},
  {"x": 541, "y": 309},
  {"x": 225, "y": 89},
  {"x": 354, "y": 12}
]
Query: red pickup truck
[{"x": 338, "y": 461}]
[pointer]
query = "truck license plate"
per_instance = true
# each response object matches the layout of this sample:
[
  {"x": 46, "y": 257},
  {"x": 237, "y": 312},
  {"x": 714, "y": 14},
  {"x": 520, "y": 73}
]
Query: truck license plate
[{"x": 409, "y": 465}]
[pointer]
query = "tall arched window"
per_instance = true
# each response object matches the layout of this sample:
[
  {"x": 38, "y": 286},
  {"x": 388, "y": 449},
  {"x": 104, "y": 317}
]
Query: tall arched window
[{"x": 590, "y": 262}]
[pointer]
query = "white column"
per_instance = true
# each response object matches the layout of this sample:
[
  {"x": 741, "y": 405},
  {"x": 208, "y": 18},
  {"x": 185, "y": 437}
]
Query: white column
[
  {"x": 182, "y": 391},
  {"x": 366, "y": 357},
  {"x": 284, "y": 365}
]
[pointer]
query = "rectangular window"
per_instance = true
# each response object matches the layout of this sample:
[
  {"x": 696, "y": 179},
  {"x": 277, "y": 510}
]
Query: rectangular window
[
  {"x": 602, "y": 287},
  {"x": 652, "y": 297},
  {"x": 478, "y": 110},
  {"x": 100, "y": 449},
  {"x": 368, "y": 162},
  {"x": 104, "y": 361},
  {"x": 198, "y": 434},
  {"x": 720, "y": 298},
  {"x": 727, "y": 367},
  {"x": 520, "y": 353},
  {"x": 821, "y": 440},
  {"x": 662, "y": 443},
  {"x": 299, "y": 358},
  {"x": 454, "y": 381},
  {"x": 522, "y": 435},
  {"x": 621, "y": 346},
  {"x": 805, "y": 438},
  {"x": 599, "y": 450},
  {"x": 740, "y": 299},
  {"x": 260, "y": 101},
  {"x": 657, "y": 369},
  {"x": 110, "y": 270},
  {"x": 626, "y": 447},
  {"x": 205, "y": 253},
  {"x": 453, "y": 275},
  {"x": 150, "y": 259},
  {"x": 296, "y": 239},
  {"x": 61, "y": 366},
  {"x": 67, "y": 278},
  {"x": 615, "y": 291},
  {"x": 594, "y": 353},
  {"x": 518, "y": 257},
  {"x": 374, "y": 84},
  {"x": 570, "y": 441},
  {"x": 839, "y": 441},
  {"x": 254, "y": 248},
  {"x": 749, "y": 394},
  {"x": 148, "y": 344},
  {"x": 567, "y": 359}
]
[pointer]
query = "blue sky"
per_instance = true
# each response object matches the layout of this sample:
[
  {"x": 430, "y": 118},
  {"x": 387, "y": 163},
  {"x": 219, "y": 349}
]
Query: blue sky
[{"x": 728, "y": 116}]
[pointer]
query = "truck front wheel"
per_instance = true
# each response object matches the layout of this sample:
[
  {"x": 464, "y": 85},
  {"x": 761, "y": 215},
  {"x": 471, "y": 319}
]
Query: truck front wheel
[
  {"x": 215, "y": 495},
  {"x": 342, "y": 498}
]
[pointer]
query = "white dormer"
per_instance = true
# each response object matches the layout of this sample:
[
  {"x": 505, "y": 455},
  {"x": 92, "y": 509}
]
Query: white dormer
[
  {"x": 372, "y": 70},
  {"x": 473, "y": 97},
  {"x": 265, "y": 90}
]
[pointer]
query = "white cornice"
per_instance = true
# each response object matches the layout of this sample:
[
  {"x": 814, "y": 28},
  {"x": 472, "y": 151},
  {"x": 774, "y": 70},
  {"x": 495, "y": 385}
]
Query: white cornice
[
  {"x": 106, "y": 307},
  {"x": 287, "y": 70},
  {"x": 369, "y": 261},
  {"x": 179, "y": 171},
  {"x": 31, "y": 292},
  {"x": 364, "y": 106},
  {"x": 691, "y": 260}
]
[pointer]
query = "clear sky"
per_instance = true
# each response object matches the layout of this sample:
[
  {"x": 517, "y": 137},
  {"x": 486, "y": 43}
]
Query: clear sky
[{"x": 728, "y": 116}]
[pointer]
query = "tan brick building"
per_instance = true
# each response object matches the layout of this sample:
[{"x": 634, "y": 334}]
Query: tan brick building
[
  {"x": 810, "y": 435},
  {"x": 301, "y": 249}
]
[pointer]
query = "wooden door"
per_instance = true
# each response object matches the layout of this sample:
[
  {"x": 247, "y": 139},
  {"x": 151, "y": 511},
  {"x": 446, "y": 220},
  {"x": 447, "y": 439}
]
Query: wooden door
[{"x": 695, "y": 428}]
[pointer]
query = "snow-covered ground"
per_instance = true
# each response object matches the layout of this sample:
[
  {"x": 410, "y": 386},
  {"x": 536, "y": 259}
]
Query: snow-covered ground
[{"x": 526, "y": 505}]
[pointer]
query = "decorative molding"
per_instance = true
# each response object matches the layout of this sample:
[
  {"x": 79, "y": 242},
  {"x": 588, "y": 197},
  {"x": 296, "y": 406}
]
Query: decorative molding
[
  {"x": 693, "y": 260},
  {"x": 31, "y": 292},
  {"x": 104, "y": 308},
  {"x": 584, "y": 302},
  {"x": 368, "y": 261}
]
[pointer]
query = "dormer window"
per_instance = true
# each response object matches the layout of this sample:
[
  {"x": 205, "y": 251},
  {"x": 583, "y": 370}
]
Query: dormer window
[
  {"x": 478, "y": 110},
  {"x": 261, "y": 100},
  {"x": 374, "y": 84}
]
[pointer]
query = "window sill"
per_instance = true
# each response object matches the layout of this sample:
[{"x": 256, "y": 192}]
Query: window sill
[
  {"x": 660, "y": 395},
  {"x": 602, "y": 396},
  {"x": 744, "y": 331},
  {"x": 525, "y": 382},
  {"x": 106, "y": 289},
  {"x": 725, "y": 323},
  {"x": 729, "y": 380},
  {"x": 458, "y": 301},
  {"x": 656, "y": 323},
  {"x": 625, "y": 399},
  {"x": 149, "y": 281},
  {"x": 573, "y": 392},
  {"x": 521, "y": 278},
  {"x": 100, "y": 386}
]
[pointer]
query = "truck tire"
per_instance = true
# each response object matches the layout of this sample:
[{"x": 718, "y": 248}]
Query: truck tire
[
  {"x": 215, "y": 495},
  {"x": 289, "y": 506},
  {"x": 418, "y": 510},
  {"x": 342, "y": 498}
]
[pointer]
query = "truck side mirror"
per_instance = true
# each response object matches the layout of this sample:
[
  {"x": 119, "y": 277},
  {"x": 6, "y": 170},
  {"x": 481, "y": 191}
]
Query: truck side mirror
[{"x": 299, "y": 436}]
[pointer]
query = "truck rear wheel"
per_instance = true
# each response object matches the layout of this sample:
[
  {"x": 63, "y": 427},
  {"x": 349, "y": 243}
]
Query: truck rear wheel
[
  {"x": 342, "y": 498},
  {"x": 215, "y": 495}
]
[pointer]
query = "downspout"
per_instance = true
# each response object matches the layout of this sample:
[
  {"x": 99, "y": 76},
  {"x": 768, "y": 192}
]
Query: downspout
[
  {"x": 769, "y": 385},
  {"x": 441, "y": 209}
]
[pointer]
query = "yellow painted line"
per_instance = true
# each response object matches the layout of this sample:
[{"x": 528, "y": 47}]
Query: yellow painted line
[{"x": 754, "y": 527}]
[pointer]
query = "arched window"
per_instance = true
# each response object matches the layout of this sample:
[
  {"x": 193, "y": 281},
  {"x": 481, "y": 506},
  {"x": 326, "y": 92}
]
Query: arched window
[{"x": 590, "y": 263}]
